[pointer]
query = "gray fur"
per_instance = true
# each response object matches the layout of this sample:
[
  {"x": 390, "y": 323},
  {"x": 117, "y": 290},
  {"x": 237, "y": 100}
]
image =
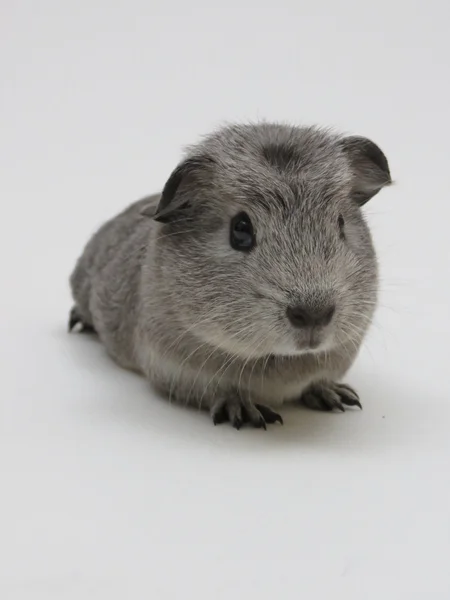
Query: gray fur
[{"x": 207, "y": 324}]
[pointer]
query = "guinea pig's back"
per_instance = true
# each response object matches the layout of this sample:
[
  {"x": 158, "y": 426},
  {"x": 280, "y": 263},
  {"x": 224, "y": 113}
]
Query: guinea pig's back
[{"x": 105, "y": 281}]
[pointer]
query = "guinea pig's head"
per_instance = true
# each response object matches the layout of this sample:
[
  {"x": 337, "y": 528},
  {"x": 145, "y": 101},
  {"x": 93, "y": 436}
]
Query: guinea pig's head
[{"x": 262, "y": 247}]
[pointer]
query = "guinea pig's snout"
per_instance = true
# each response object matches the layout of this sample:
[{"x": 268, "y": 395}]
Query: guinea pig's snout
[{"x": 303, "y": 316}]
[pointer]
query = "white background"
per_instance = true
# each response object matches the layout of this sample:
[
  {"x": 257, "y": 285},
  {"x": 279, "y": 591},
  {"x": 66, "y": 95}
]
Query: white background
[{"x": 108, "y": 492}]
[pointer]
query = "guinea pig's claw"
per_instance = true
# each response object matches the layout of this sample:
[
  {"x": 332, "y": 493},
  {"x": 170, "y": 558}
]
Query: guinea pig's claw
[
  {"x": 260, "y": 424},
  {"x": 254, "y": 414},
  {"x": 348, "y": 395},
  {"x": 352, "y": 402},
  {"x": 269, "y": 415},
  {"x": 219, "y": 415},
  {"x": 75, "y": 319},
  {"x": 237, "y": 423},
  {"x": 328, "y": 396}
]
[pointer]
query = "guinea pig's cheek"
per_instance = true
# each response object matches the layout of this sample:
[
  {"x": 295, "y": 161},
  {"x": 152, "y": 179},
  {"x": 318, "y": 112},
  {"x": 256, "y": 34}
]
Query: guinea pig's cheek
[{"x": 219, "y": 247}]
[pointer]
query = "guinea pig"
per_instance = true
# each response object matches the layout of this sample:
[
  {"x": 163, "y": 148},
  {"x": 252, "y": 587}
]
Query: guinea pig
[{"x": 250, "y": 281}]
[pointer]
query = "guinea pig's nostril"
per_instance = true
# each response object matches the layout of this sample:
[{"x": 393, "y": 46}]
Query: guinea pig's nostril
[
  {"x": 298, "y": 316},
  {"x": 303, "y": 316}
]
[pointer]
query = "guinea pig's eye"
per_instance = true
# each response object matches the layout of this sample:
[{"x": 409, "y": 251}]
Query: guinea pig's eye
[
  {"x": 242, "y": 236},
  {"x": 341, "y": 224}
]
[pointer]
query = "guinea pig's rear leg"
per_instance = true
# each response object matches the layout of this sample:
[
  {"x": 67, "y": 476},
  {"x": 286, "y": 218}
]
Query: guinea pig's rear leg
[
  {"x": 238, "y": 411},
  {"x": 328, "y": 395},
  {"x": 75, "y": 318}
]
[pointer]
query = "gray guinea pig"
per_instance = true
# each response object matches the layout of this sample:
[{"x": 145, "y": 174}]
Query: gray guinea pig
[{"x": 250, "y": 281}]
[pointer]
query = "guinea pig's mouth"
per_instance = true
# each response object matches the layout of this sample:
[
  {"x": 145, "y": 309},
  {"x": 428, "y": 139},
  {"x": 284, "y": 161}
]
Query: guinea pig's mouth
[
  {"x": 308, "y": 341},
  {"x": 314, "y": 339}
]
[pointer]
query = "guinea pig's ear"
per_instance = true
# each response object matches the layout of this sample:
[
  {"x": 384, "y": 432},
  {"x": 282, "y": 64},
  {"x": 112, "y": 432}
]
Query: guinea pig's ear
[
  {"x": 175, "y": 195},
  {"x": 369, "y": 165}
]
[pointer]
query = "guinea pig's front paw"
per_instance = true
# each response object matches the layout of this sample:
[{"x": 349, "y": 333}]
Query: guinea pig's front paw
[
  {"x": 329, "y": 395},
  {"x": 76, "y": 319},
  {"x": 238, "y": 412}
]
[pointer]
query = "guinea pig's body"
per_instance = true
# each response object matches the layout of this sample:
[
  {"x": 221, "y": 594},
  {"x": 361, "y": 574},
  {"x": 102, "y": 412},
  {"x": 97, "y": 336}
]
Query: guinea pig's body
[{"x": 250, "y": 281}]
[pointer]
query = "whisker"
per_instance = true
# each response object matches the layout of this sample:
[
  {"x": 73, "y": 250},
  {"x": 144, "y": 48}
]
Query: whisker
[
  {"x": 167, "y": 235},
  {"x": 206, "y": 361}
]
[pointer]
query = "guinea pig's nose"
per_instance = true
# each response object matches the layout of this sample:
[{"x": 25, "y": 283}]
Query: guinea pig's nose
[{"x": 304, "y": 316}]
